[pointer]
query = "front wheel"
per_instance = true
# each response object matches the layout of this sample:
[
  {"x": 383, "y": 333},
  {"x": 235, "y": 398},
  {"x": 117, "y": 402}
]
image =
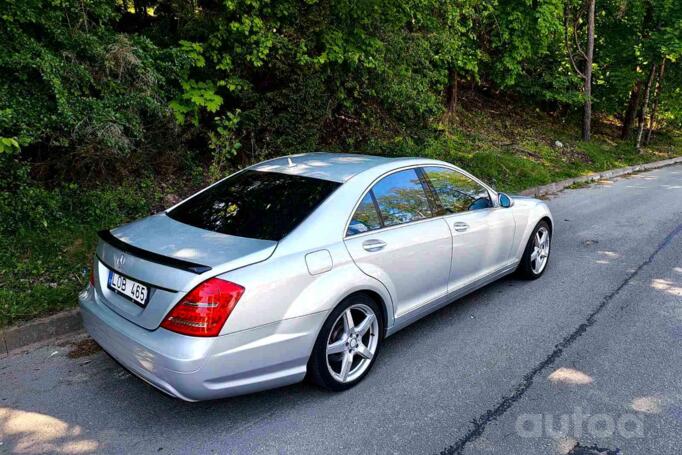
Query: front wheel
[
  {"x": 347, "y": 345},
  {"x": 536, "y": 255}
]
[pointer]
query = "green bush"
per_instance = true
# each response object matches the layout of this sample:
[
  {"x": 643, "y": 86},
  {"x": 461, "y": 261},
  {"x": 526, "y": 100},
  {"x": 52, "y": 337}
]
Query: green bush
[
  {"x": 88, "y": 100},
  {"x": 47, "y": 239}
]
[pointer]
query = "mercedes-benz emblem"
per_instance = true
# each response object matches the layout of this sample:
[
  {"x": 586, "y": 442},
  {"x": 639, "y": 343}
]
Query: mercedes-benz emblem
[{"x": 120, "y": 261}]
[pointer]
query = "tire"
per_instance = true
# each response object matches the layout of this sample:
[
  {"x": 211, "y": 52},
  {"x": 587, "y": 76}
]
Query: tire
[
  {"x": 328, "y": 371},
  {"x": 528, "y": 267}
]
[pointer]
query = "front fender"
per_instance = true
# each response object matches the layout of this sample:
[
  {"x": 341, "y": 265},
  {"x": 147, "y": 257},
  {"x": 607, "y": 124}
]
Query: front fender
[{"x": 527, "y": 214}]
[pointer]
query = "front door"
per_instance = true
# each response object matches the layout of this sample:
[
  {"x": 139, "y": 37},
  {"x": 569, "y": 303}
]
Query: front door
[{"x": 482, "y": 233}]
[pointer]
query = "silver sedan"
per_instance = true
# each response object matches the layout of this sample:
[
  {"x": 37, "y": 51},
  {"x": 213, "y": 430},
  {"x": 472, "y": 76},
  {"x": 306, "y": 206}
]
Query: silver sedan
[{"x": 301, "y": 266}]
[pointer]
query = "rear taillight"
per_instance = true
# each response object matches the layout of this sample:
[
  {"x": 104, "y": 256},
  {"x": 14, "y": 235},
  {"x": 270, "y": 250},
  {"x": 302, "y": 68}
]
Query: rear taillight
[
  {"x": 204, "y": 310},
  {"x": 92, "y": 276}
]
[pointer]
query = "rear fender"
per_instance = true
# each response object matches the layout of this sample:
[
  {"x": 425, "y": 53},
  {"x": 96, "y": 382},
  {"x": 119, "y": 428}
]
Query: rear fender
[{"x": 283, "y": 288}]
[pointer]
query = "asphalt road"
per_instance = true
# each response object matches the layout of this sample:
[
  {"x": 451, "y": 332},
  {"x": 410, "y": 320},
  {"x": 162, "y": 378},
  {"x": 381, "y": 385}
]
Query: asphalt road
[{"x": 588, "y": 356}]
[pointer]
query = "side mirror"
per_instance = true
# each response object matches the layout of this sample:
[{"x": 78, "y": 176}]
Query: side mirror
[{"x": 505, "y": 200}]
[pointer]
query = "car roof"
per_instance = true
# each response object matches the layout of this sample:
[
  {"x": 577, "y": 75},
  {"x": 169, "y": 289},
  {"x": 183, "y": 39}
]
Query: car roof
[{"x": 337, "y": 167}]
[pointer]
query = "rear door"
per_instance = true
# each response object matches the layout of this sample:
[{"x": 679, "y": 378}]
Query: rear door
[
  {"x": 482, "y": 233},
  {"x": 394, "y": 238}
]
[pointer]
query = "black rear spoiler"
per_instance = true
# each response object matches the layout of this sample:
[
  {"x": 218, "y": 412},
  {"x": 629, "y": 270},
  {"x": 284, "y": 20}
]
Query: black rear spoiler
[{"x": 112, "y": 240}]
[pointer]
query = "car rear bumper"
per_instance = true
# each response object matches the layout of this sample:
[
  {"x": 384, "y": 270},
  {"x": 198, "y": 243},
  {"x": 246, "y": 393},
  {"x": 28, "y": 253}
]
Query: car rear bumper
[{"x": 195, "y": 368}]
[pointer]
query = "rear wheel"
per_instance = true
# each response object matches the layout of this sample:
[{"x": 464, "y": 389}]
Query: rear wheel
[
  {"x": 536, "y": 255},
  {"x": 347, "y": 345}
]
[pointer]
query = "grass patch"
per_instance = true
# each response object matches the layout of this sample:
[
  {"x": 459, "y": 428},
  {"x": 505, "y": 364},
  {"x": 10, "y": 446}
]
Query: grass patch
[
  {"x": 44, "y": 265},
  {"x": 578, "y": 185},
  {"x": 41, "y": 272},
  {"x": 514, "y": 150}
]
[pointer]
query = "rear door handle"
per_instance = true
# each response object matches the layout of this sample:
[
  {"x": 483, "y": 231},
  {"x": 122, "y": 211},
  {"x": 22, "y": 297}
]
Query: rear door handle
[
  {"x": 373, "y": 245},
  {"x": 460, "y": 226}
]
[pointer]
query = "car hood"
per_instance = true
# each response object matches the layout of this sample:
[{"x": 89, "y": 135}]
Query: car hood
[
  {"x": 520, "y": 196},
  {"x": 527, "y": 201}
]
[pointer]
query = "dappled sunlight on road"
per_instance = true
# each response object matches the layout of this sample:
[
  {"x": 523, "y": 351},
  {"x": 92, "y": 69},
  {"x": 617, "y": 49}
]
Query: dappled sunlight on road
[
  {"x": 647, "y": 405},
  {"x": 565, "y": 375},
  {"x": 606, "y": 257},
  {"x": 640, "y": 177},
  {"x": 565, "y": 444},
  {"x": 32, "y": 432},
  {"x": 667, "y": 286}
]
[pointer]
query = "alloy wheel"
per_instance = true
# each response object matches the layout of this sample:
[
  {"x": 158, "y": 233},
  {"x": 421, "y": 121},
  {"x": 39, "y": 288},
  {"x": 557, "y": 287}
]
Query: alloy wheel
[
  {"x": 541, "y": 243},
  {"x": 352, "y": 343}
]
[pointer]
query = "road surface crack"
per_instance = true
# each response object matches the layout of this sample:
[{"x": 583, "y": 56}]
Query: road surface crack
[{"x": 478, "y": 425}]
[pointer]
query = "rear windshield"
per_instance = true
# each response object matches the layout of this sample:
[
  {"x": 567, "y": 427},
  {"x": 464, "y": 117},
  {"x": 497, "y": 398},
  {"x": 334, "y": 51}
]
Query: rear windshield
[{"x": 259, "y": 205}]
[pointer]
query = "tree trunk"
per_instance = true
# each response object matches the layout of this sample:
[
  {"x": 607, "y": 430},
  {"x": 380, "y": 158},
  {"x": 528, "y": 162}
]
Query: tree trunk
[
  {"x": 631, "y": 111},
  {"x": 645, "y": 105},
  {"x": 452, "y": 92},
  {"x": 587, "y": 115},
  {"x": 657, "y": 96},
  {"x": 640, "y": 114}
]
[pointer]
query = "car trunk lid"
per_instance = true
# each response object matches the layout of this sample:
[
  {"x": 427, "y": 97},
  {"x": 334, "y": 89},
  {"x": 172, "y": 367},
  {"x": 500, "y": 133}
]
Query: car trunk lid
[{"x": 170, "y": 258}]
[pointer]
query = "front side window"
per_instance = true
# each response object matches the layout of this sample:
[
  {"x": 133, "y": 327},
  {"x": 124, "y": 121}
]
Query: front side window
[
  {"x": 253, "y": 204},
  {"x": 457, "y": 192}
]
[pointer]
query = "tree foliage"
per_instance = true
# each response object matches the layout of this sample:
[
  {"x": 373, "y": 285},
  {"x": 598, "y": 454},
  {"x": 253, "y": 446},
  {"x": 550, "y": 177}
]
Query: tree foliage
[
  {"x": 70, "y": 84},
  {"x": 92, "y": 87}
]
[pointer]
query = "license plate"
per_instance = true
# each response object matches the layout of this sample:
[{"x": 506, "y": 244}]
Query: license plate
[{"x": 129, "y": 288}]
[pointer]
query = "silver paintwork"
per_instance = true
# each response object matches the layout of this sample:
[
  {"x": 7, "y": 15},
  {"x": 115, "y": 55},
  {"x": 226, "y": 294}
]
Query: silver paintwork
[
  {"x": 338, "y": 167},
  {"x": 291, "y": 286}
]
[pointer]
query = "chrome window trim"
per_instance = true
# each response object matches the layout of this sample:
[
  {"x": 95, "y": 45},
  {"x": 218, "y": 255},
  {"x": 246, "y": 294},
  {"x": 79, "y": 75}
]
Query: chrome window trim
[
  {"x": 491, "y": 193},
  {"x": 369, "y": 188}
]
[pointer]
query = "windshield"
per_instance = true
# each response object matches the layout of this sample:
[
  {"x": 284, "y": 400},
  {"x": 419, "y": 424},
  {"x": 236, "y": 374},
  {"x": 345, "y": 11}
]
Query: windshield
[{"x": 253, "y": 204}]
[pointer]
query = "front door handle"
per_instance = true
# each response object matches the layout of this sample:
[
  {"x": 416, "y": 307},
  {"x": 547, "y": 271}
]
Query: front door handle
[
  {"x": 460, "y": 226},
  {"x": 373, "y": 245}
]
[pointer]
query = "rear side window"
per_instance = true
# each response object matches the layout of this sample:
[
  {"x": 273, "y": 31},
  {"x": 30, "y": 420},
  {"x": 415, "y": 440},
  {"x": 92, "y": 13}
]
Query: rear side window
[
  {"x": 399, "y": 197},
  {"x": 457, "y": 192},
  {"x": 253, "y": 204},
  {"x": 366, "y": 217}
]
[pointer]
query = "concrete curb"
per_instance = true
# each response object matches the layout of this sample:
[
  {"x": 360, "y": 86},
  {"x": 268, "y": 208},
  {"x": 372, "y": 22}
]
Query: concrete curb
[
  {"x": 550, "y": 188},
  {"x": 60, "y": 324},
  {"x": 39, "y": 330}
]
